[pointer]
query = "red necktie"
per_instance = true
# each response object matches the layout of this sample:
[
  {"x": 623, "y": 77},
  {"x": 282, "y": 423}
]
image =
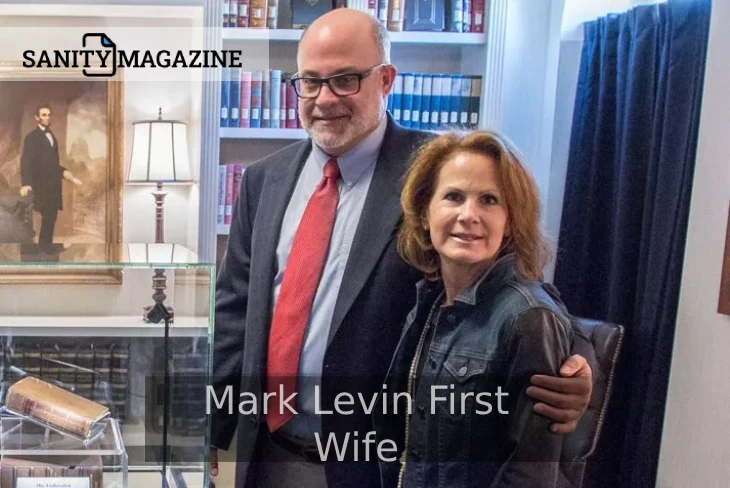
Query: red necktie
[{"x": 298, "y": 287}]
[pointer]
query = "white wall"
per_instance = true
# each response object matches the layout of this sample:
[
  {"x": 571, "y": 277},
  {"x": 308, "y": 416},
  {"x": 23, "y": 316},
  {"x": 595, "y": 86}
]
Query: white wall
[
  {"x": 529, "y": 81},
  {"x": 179, "y": 95},
  {"x": 696, "y": 439}
]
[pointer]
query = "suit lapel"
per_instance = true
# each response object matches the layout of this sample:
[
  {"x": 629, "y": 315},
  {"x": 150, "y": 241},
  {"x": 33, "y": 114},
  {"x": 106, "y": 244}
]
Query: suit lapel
[
  {"x": 275, "y": 196},
  {"x": 380, "y": 215}
]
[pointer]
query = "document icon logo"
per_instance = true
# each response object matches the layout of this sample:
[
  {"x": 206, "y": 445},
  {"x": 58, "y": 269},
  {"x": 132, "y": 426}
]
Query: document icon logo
[{"x": 105, "y": 50}]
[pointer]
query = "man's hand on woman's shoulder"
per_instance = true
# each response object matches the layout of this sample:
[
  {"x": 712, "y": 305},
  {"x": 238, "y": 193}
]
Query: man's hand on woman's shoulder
[{"x": 564, "y": 398}]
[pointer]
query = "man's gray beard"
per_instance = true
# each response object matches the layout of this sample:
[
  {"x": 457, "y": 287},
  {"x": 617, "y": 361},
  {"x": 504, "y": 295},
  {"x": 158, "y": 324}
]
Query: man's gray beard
[{"x": 354, "y": 130}]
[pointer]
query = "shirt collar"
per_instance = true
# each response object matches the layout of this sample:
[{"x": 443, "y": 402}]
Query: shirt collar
[
  {"x": 43, "y": 129},
  {"x": 357, "y": 160}
]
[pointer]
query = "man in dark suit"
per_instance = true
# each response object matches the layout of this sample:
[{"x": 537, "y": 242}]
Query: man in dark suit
[
  {"x": 42, "y": 174},
  {"x": 316, "y": 223}
]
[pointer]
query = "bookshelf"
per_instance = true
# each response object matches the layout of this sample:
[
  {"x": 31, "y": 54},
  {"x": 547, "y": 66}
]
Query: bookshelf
[
  {"x": 293, "y": 35},
  {"x": 471, "y": 54}
]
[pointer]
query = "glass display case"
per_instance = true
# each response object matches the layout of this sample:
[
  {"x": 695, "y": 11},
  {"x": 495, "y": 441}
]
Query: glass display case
[{"x": 121, "y": 335}]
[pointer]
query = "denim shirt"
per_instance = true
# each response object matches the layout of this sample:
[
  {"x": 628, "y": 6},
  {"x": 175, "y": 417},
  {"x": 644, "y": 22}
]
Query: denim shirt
[{"x": 472, "y": 423}]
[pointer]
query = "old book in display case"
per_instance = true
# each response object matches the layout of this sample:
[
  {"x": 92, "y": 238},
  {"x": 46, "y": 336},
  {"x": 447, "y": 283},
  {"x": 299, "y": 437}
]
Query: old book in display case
[
  {"x": 104, "y": 366},
  {"x": 56, "y": 408}
]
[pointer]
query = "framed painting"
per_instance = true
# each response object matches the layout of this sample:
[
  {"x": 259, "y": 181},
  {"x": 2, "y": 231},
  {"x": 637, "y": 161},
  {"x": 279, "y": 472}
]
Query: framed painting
[
  {"x": 724, "y": 303},
  {"x": 61, "y": 150}
]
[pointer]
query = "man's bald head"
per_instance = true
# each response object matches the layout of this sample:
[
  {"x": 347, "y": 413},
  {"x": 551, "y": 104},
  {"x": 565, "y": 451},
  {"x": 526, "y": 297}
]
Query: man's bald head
[
  {"x": 341, "y": 59},
  {"x": 345, "y": 21}
]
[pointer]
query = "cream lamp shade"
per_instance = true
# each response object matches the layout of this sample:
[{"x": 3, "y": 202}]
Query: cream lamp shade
[{"x": 159, "y": 152}]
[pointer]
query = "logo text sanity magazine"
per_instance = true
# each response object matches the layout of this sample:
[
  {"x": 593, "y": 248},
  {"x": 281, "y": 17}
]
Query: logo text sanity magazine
[{"x": 100, "y": 56}]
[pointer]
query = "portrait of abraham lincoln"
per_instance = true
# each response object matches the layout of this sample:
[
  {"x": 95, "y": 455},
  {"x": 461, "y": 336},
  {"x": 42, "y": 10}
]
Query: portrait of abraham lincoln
[{"x": 60, "y": 162}]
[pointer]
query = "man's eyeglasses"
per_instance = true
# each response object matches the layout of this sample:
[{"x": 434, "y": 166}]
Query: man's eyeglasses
[{"x": 342, "y": 85}]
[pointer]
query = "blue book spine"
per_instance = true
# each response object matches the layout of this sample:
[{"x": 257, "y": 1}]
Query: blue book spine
[
  {"x": 256, "y": 83},
  {"x": 464, "y": 102},
  {"x": 455, "y": 16},
  {"x": 234, "y": 99},
  {"x": 408, "y": 81},
  {"x": 455, "y": 100},
  {"x": 275, "y": 98},
  {"x": 417, "y": 96},
  {"x": 474, "y": 105},
  {"x": 426, "y": 102},
  {"x": 445, "y": 102},
  {"x": 398, "y": 98},
  {"x": 435, "y": 102},
  {"x": 466, "y": 16},
  {"x": 225, "y": 95}
]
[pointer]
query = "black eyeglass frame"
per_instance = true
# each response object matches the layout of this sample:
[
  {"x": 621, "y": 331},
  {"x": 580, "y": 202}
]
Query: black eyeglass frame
[{"x": 321, "y": 81}]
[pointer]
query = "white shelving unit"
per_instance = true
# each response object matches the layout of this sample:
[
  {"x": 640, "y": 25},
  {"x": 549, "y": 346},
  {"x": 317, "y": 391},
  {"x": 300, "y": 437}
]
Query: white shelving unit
[{"x": 293, "y": 35}]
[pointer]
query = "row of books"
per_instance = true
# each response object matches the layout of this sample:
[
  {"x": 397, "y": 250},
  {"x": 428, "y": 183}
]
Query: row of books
[
  {"x": 100, "y": 371},
  {"x": 229, "y": 183},
  {"x": 436, "y": 101},
  {"x": 188, "y": 390},
  {"x": 428, "y": 101},
  {"x": 396, "y": 15},
  {"x": 258, "y": 99},
  {"x": 95, "y": 371}
]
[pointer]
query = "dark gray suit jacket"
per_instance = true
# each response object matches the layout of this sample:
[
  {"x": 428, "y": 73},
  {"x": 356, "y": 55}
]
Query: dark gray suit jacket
[
  {"x": 40, "y": 169},
  {"x": 377, "y": 292}
]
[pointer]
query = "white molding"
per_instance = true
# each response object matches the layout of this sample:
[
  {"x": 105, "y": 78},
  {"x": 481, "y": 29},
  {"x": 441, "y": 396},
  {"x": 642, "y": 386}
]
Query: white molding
[
  {"x": 293, "y": 35},
  {"x": 264, "y": 133},
  {"x": 491, "y": 110},
  {"x": 209, "y": 143},
  {"x": 90, "y": 326}
]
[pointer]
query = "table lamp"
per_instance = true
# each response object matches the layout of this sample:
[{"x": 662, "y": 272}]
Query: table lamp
[{"x": 159, "y": 155}]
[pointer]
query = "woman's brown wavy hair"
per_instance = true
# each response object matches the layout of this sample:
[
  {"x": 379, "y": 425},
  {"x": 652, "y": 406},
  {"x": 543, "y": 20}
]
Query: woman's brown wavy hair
[{"x": 519, "y": 191}]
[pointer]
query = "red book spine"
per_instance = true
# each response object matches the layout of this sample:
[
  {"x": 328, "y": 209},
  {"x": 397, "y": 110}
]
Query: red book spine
[
  {"x": 291, "y": 107},
  {"x": 243, "y": 13},
  {"x": 478, "y": 8}
]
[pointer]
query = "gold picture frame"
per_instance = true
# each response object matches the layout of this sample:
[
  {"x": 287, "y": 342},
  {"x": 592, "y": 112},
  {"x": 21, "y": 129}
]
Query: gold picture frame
[
  {"x": 723, "y": 305},
  {"x": 91, "y": 145}
]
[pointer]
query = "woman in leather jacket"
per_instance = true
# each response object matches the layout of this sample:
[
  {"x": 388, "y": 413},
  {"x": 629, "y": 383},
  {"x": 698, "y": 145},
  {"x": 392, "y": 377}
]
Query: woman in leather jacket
[{"x": 482, "y": 325}]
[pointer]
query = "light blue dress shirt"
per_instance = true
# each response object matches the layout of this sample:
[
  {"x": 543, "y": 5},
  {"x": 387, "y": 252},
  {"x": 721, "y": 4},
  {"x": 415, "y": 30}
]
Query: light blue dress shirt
[{"x": 356, "y": 172}]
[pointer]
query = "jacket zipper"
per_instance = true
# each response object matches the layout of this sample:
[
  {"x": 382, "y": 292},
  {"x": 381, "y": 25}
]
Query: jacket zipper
[{"x": 411, "y": 380}]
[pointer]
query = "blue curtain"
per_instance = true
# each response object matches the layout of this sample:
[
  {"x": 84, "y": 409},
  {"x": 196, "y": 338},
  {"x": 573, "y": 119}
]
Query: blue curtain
[{"x": 626, "y": 207}]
